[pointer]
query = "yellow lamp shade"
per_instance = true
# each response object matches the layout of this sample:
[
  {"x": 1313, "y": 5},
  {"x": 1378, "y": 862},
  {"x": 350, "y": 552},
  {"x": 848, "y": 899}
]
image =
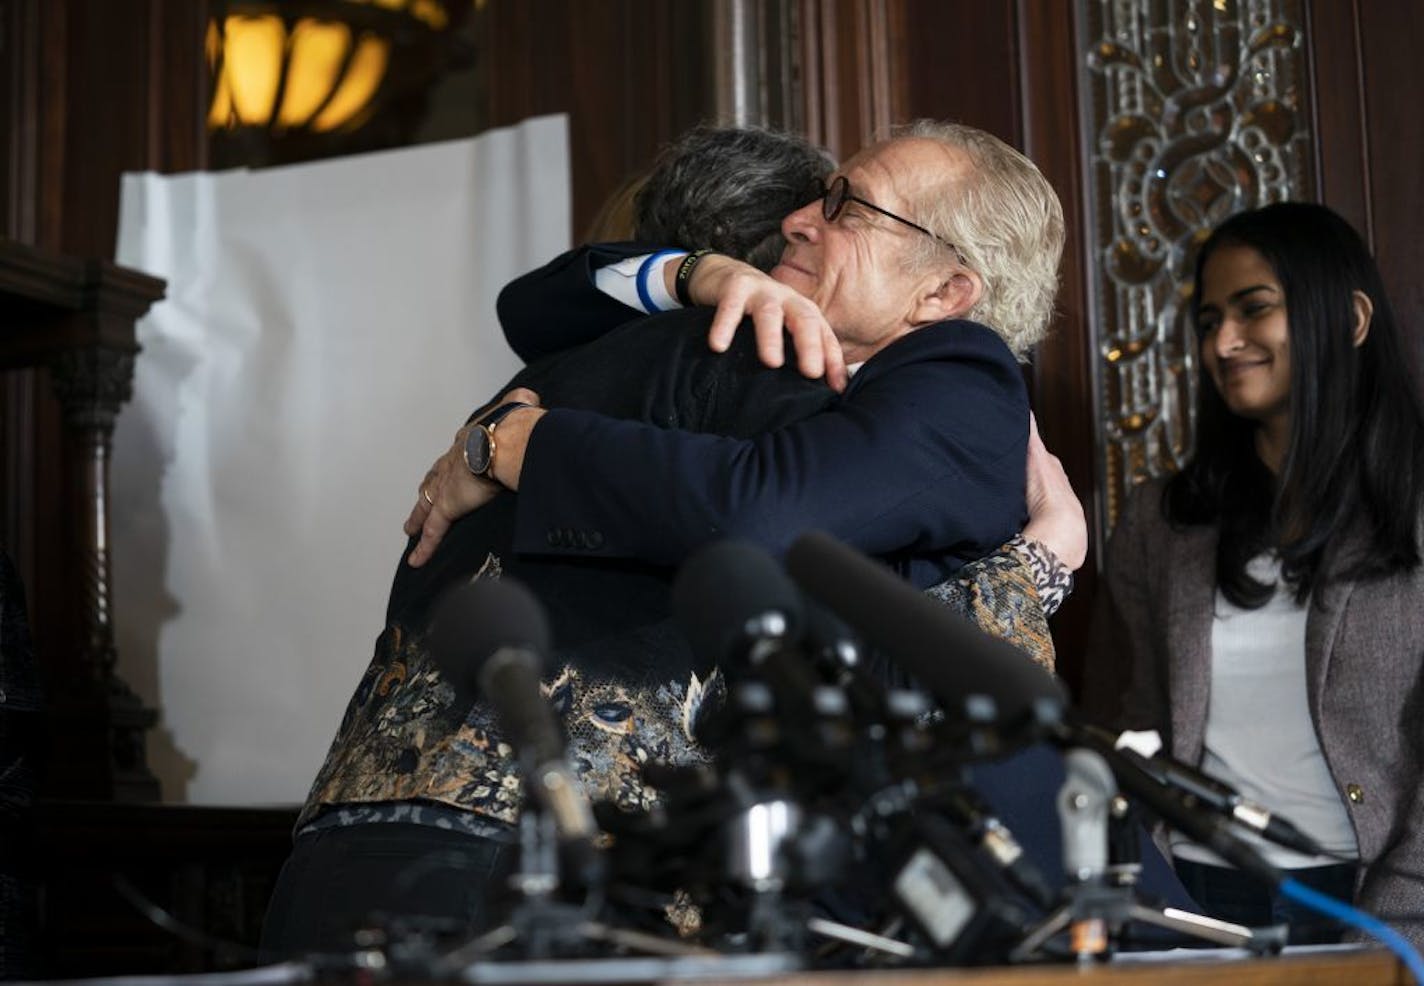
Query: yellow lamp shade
[
  {"x": 252, "y": 63},
  {"x": 362, "y": 79},
  {"x": 318, "y": 73},
  {"x": 317, "y": 51}
]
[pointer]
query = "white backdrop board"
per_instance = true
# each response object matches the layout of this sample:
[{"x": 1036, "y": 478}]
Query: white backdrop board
[{"x": 327, "y": 328}]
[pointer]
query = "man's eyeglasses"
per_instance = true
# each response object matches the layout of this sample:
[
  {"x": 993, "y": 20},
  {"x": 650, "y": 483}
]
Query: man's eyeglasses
[{"x": 835, "y": 196}]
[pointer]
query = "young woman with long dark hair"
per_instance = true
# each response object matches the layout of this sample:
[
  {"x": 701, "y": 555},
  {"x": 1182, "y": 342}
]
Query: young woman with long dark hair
[{"x": 1264, "y": 608}]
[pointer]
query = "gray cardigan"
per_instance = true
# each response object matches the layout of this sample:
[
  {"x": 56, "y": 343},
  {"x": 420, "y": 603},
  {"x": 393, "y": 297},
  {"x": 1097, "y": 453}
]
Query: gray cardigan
[{"x": 1149, "y": 666}]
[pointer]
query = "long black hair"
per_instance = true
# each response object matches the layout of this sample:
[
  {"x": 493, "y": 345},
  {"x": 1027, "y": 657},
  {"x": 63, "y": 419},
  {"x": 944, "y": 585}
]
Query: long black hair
[{"x": 1356, "y": 446}]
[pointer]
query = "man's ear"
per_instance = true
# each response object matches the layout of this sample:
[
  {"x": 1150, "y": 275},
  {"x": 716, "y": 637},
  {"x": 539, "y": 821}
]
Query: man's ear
[
  {"x": 1364, "y": 311},
  {"x": 947, "y": 294}
]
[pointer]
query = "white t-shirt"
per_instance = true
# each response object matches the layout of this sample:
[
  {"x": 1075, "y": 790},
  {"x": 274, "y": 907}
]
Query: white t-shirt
[{"x": 1259, "y": 735}]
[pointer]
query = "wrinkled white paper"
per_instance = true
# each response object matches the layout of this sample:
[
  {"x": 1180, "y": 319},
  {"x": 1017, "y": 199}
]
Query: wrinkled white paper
[{"x": 326, "y": 330}]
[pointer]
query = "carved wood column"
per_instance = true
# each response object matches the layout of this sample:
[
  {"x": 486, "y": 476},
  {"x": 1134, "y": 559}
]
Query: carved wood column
[
  {"x": 92, "y": 383},
  {"x": 76, "y": 318}
]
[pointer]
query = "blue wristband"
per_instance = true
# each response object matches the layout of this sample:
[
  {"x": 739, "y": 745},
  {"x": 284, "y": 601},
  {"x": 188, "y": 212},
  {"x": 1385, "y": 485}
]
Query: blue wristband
[{"x": 654, "y": 260}]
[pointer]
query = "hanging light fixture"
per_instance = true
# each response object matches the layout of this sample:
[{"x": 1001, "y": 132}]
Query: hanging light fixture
[{"x": 311, "y": 66}]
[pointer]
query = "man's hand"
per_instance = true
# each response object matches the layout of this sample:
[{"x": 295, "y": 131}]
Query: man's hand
[
  {"x": 1055, "y": 517},
  {"x": 449, "y": 490},
  {"x": 740, "y": 290}
]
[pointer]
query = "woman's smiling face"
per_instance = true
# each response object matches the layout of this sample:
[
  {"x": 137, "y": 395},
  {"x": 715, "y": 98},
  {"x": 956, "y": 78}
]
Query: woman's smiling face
[{"x": 1245, "y": 334}]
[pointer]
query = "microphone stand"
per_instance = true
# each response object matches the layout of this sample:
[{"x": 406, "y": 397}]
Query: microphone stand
[
  {"x": 539, "y": 922},
  {"x": 773, "y": 840},
  {"x": 560, "y": 941},
  {"x": 1100, "y": 899},
  {"x": 558, "y": 928}
]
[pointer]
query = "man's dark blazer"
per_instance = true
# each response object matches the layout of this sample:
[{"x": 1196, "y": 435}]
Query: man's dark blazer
[
  {"x": 611, "y": 612},
  {"x": 920, "y": 461}
]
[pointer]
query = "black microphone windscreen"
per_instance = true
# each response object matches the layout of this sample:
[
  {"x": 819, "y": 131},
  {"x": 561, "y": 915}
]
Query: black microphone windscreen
[
  {"x": 830, "y": 637},
  {"x": 488, "y": 639},
  {"x": 509, "y": 680},
  {"x": 722, "y": 589},
  {"x": 947, "y": 655},
  {"x": 475, "y": 620}
]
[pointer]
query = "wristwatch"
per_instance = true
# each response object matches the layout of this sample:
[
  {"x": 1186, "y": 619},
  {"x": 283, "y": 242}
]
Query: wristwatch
[{"x": 479, "y": 440}]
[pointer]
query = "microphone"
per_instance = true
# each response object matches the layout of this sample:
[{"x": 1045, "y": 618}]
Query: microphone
[
  {"x": 720, "y": 596},
  {"x": 1178, "y": 810},
  {"x": 736, "y": 607},
  {"x": 742, "y": 614},
  {"x": 834, "y": 651},
  {"x": 947, "y": 655},
  {"x": 1218, "y": 796},
  {"x": 831, "y": 644},
  {"x": 1083, "y": 803},
  {"x": 487, "y": 638},
  {"x": 1207, "y": 790}
]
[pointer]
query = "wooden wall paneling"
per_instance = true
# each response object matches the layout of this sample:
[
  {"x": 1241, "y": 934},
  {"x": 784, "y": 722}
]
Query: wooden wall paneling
[
  {"x": 1369, "y": 139},
  {"x": 41, "y": 147},
  {"x": 178, "y": 86},
  {"x": 50, "y": 152},
  {"x": 1391, "y": 42},
  {"x": 29, "y": 417},
  {"x": 134, "y": 99},
  {"x": 1063, "y": 387},
  {"x": 631, "y": 75},
  {"x": 1012, "y": 69},
  {"x": 819, "y": 46},
  {"x": 959, "y": 63},
  {"x": 848, "y": 70},
  {"x": 20, "y": 63},
  {"x": 17, "y": 501},
  {"x": 106, "y": 126},
  {"x": 669, "y": 87},
  {"x": 32, "y": 474},
  {"x": 1338, "y": 107},
  {"x": 521, "y": 83},
  {"x": 813, "y": 85},
  {"x": 871, "y": 42},
  {"x": 600, "y": 100},
  {"x": 605, "y": 112},
  {"x": 19, "y": 69}
]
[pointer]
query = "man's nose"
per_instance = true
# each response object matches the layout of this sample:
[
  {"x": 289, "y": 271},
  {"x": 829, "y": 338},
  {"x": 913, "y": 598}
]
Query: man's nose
[{"x": 803, "y": 225}]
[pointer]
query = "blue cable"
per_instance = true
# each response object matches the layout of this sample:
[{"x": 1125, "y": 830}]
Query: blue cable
[{"x": 1367, "y": 923}]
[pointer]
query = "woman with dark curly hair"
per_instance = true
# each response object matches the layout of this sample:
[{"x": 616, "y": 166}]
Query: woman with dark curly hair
[{"x": 1269, "y": 599}]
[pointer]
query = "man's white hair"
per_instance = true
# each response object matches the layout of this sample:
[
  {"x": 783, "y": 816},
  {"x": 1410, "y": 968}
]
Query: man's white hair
[{"x": 1006, "y": 221}]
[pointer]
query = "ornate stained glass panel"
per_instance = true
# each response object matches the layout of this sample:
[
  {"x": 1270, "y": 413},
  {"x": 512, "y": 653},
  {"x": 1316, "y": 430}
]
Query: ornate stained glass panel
[{"x": 1193, "y": 110}]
